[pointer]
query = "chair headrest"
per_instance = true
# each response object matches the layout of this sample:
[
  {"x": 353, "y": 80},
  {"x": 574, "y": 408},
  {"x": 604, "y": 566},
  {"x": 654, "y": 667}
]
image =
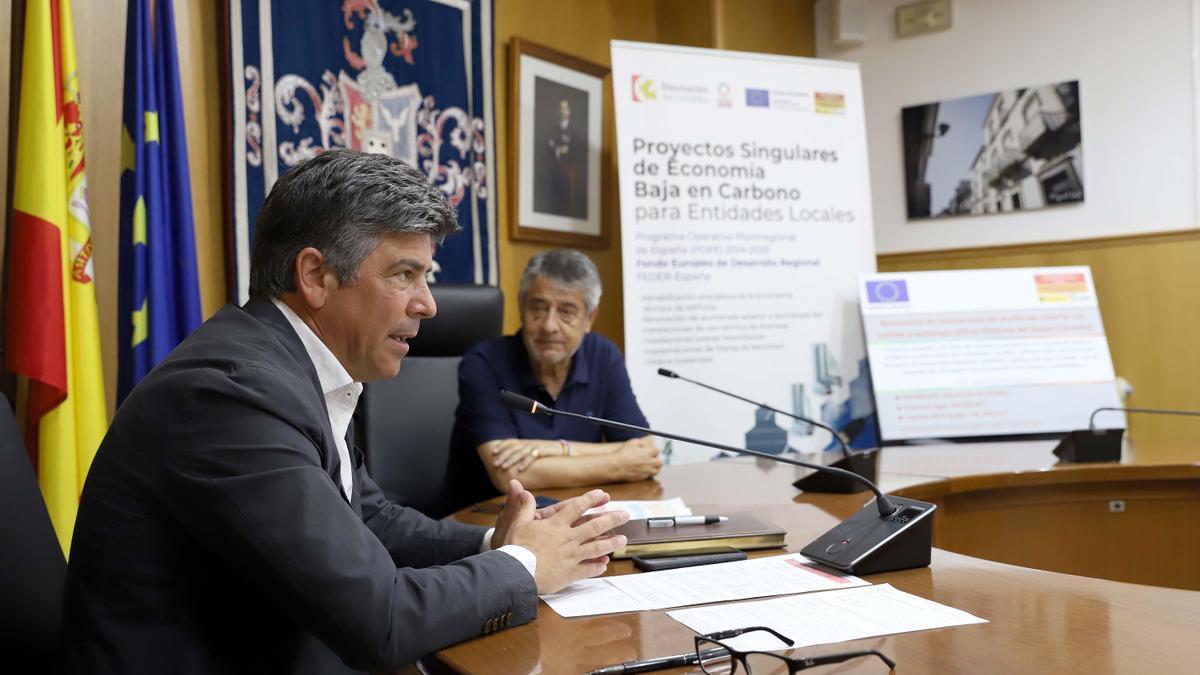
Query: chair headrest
[{"x": 466, "y": 314}]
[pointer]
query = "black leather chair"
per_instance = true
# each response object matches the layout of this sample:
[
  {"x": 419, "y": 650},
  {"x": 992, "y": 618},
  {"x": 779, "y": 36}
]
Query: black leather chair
[
  {"x": 32, "y": 567},
  {"x": 404, "y": 424}
]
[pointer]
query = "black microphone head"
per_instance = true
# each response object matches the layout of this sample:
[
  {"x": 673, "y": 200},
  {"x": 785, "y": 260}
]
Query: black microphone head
[
  {"x": 524, "y": 403},
  {"x": 667, "y": 373}
]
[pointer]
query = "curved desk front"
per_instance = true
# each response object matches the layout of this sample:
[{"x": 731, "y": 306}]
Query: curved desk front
[
  {"x": 1133, "y": 523},
  {"x": 1039, "y": 621}
]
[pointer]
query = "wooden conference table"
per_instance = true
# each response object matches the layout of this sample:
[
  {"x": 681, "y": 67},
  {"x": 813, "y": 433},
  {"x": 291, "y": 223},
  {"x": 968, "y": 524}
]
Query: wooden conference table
[{"x": 1039, "y": 621}]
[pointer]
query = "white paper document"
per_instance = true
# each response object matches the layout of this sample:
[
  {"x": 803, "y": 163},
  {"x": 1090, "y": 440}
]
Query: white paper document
[
  {"x": 647, "y": 509},
  {"x": 761, "y": 577},
  {"x": 824, "y": 618}
]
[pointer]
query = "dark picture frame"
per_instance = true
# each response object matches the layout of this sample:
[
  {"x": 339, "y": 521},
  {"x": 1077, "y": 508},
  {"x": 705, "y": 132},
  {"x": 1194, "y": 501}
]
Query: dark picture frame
[{"x": 556, "y": 131}]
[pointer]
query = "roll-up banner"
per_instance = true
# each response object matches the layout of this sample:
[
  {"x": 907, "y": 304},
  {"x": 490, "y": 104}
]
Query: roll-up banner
[{"x": 745, "y": 223}]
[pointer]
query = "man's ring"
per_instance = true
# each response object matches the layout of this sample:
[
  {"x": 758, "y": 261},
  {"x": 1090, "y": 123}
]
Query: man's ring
[{"x": 534, "y": 453}]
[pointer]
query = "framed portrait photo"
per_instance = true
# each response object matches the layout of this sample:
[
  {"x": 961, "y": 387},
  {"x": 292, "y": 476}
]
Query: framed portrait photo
[{"x": 556, "y": 138}]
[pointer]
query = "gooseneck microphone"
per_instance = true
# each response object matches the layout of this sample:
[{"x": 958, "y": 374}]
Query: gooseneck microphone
[
  {"x": 836, "y": 435},
  {"x": 899, "y": 536},
  {"x": 863, "y": 463},
  {"x": 1155, "y": 411},
  {"x": 1103, "y": 445},
  {"x": 519, "y": 402}
]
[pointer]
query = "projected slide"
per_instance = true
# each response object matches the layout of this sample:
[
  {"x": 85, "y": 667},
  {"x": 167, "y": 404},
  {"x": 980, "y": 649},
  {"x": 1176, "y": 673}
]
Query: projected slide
[{"x": 986, "y": 352}]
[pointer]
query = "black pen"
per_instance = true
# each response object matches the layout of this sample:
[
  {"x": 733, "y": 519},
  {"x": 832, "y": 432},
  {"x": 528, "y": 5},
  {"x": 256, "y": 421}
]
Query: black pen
[{"x": 661, "y": 663}]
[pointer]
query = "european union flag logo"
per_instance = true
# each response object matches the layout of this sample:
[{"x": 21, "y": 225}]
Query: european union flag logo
[
  {"x": 758, "y": 98},
  {"x": 159, "y": 297},
  {"x": 888, "y": 290}
]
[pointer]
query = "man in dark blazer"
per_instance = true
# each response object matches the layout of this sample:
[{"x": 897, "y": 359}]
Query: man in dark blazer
[{"x": 227, "y": 523}]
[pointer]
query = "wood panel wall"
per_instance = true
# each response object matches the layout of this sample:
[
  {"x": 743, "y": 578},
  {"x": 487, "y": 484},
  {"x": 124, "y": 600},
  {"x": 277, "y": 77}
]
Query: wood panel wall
[
  {"x": 100, "y": 47},
  {"x": 580, "y": 27},
  {"x": 1149, "y": 290},
  {"x": 6, "y": 64},
  {"x": 767, "y": 26},
  {"x": 584, "y": 29},
  {"x": 198, "y": 29},
  {"x": 1149, "y": 286}
]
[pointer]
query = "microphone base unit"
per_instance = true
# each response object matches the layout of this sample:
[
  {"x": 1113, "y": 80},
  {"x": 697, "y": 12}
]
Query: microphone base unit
[
  {"x": 865, "y": 543},
  {"x": 1087, "y": 445},
  {"x": 864, "y": 463}
]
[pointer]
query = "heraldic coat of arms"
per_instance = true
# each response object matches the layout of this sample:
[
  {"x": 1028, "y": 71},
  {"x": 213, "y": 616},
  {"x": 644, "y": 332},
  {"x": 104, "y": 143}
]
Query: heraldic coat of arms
[{"x": 420, "y": 101}]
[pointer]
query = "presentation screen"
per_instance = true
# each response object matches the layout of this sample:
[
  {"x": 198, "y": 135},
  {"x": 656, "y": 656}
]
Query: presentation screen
[{"x": 1004, "y": 352}]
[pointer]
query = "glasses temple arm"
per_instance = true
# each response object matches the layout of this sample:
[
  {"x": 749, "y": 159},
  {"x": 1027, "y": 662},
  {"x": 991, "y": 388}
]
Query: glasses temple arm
[
  {"x": 734, "y": 632},
  {"x": 826, "y": 659}
]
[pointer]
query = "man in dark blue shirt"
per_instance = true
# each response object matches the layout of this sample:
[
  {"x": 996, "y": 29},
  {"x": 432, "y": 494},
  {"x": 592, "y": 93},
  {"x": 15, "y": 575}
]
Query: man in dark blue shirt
[{"x": 554, "y": 359}]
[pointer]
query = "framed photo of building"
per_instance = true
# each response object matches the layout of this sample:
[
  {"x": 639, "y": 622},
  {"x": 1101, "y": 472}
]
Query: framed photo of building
[
  {"x": 555, "y": 146},
  {"x": 1012, "y": 150}
]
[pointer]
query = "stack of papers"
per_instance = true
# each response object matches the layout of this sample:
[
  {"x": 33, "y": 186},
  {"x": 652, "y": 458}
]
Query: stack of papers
[
  {"x": 847, "y": 608},
  {"x": 761, "y": 577},
  {"x": 824, "y": 618}
]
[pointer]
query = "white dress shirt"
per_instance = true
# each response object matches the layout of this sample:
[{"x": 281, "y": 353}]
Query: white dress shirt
[{"x": 341, "y": 398}]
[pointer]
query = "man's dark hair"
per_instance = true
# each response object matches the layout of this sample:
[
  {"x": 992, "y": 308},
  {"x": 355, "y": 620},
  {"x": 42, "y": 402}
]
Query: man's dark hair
[{"x": 340, "y": 203}]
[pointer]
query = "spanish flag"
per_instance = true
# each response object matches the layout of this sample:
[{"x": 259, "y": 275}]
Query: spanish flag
[{"x": 53, "y": 337}]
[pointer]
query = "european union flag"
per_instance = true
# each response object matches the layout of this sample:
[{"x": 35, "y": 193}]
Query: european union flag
[
  {"x": 159, "y": 301},
  {"x": 888, "y": 290}
]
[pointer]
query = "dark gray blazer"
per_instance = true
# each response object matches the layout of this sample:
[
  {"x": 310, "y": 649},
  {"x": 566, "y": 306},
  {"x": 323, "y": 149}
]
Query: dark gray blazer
[{"x": 213, "y": 536}]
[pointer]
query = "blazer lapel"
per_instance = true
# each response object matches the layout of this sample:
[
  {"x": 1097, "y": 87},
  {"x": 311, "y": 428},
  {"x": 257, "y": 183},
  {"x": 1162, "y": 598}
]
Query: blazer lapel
[
  {"x": 266, "y": 312},
  {"x": 356, "y": 457}
]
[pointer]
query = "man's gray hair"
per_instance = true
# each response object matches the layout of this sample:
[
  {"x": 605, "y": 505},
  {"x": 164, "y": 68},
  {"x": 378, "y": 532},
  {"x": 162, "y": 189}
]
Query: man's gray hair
[
  {"x": 565, "y": 268},
  {"x": 341, "y": 203}
]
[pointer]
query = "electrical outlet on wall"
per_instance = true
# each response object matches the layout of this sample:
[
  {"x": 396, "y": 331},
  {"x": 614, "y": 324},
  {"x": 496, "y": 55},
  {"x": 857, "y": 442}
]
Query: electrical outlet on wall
[{"x": 922, "y": 17}]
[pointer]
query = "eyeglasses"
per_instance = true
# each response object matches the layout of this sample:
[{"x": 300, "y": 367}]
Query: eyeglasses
[{"x": 718, "y": 658}]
